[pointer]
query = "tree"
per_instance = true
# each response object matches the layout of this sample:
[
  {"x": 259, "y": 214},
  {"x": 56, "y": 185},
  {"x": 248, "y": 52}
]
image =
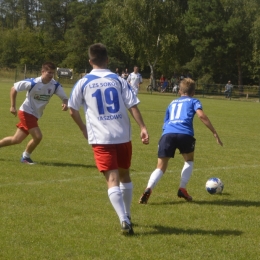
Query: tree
[
  {"x": 145, "y": 29},
  {"x": 219, "y": 32}
]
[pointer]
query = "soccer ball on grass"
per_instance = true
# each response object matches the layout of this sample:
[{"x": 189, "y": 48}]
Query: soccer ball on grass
[{"x": 214, "y": 186}]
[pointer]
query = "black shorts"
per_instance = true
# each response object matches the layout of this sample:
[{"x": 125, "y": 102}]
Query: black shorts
[{"x": 170, "y": 142}]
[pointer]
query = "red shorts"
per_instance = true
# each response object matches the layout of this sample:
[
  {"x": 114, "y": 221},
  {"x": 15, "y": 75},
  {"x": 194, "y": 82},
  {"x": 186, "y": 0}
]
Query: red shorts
[
  {"x": 27, "y": 121},
  {"x": 112, "y": 156}
]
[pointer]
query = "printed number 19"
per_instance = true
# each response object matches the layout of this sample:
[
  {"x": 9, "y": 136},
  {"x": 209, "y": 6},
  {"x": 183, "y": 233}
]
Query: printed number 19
[
  {"x": 111, "y": 99},
  {"x": 176, "y": 115}
]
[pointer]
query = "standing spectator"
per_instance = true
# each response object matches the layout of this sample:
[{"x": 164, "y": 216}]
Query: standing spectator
[
  {"x": 135, "y": 79},
  {"x": 126, "y": 74},
  {"x": 117, "y": 72},
  {"x": 39, "y": 91},
  {"x": 123, "y": 74},
  {"x": 178, "y": 133},
  {"x": 106, "y": 98},
  {"x": 228, "y": 89}
]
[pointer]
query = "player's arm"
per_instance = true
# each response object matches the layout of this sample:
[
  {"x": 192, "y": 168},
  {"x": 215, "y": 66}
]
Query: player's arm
[
  {"x": 205, "y": 120},
  {"x": 13, "y": 94},
  {"x": 78, "y": 120},
  {"x": 136, "y": 114},
  {"x": 62, "y": 95}
]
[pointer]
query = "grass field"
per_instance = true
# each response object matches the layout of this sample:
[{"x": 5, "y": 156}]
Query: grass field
[{"x": 59, "y": 209}]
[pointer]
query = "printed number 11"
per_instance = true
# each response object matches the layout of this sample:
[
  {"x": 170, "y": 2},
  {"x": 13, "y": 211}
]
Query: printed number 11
[{"x": 176, "y": 115}]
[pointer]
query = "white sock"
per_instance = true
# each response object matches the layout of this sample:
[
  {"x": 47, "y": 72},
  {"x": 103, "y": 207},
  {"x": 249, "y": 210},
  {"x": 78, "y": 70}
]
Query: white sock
[
  {"x": 154, "y": 178},
  {"x": 25, "y": 154},
  {"x": 127, "y": 193},
  {"x": 116, "y": 200},
  {"x": 186, "y": 173}
]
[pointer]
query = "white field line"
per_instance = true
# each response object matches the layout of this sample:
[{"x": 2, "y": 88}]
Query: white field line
[{"x": 133, "y": 173}]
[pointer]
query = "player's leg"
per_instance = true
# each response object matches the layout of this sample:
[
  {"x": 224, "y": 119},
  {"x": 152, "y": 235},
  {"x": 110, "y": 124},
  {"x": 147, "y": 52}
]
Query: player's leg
[
  {"x": 126, "y": 187},
  {"x": 166, "y": 150},
  {"x": 124, "y": 155},
  {"x": 17, "y": 138},
  {"x": 187, "y": 147},
  {"x": 116, "y": 199},
  {"x": 32, "y": 144},
  {"x": 106, "y": 161},
  {"x": 155, "y": 177}
]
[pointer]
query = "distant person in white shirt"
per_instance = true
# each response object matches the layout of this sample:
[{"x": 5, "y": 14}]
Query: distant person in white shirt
[
  {"x": 106, "y": 99},
  {"x": 39, "y": 91},
  {"x": 135, "y": 79}
]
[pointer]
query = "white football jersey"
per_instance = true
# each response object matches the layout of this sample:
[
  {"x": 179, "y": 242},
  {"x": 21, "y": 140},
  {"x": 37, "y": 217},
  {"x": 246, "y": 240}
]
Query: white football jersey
[
  {"x": 38, "y": 94},
  {"x": 106, "y": 98},
  {"x": 135, "y": 79}
]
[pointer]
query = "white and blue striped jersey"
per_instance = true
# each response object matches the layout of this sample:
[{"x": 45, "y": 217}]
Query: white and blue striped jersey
[
  {"x": 38, "y": 94},
  {"x": 179, "y": 116},
  {"x": 106, "y": 98}
]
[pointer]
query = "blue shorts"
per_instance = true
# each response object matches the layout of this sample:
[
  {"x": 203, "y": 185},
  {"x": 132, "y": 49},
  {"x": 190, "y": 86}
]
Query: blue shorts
[{"x": 170, "y": 142}]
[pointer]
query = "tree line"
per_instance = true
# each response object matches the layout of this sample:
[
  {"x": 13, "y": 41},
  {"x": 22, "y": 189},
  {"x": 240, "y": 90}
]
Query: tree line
[{"x": 214, "y": 41}]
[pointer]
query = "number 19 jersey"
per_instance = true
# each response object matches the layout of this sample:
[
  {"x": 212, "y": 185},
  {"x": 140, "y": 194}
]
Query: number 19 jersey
[
  {"x": 106, "y": 98},
  {"x": 179, "y": 116}
]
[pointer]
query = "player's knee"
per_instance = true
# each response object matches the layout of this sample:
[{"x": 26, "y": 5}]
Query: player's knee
[
  {"x": 37, "y": 138},
  {"x": 16, "y": 140}
]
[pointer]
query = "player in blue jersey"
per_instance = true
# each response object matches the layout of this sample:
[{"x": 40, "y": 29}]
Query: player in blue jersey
[
  {"x": 106, "y": 97},
  {"x": 39, "y": 92},
  {"x": 178, "y": 133}
]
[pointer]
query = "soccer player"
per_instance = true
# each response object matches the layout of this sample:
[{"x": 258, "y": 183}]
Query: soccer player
[
  {"x": 135, "y": 79},
  {"x": 178, "y": 133},
  {"x": 39, "y": 91},
  {"x": 106, "y": 98}
]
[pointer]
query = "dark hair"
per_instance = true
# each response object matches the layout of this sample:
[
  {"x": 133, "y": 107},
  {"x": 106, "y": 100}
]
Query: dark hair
[
  {"x": 98, "y": 54},
  {"x": 48, "y": 65}
]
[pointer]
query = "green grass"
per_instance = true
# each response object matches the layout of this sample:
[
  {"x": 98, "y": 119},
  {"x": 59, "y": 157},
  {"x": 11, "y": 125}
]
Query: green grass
[{"x": 59, "y": 209}]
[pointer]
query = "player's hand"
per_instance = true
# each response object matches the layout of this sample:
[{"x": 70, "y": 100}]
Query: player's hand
[
  {"x": 13, "y": 111},
  {"x": 144, "y": 136},
  {"x": 64, "y": 107}
]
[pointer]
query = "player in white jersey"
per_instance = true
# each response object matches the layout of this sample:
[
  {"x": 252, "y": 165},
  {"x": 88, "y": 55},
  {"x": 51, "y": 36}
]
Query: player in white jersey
[
  {"x": 39, "y": 91},
  {"x": 178, "y": 134},
  {"x": 106, "y": 99},
  {"x": 135, "y": 79}
]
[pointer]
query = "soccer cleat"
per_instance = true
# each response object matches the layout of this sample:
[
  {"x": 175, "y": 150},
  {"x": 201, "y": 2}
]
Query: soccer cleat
[
  {"x": 145, "y": 196},
  {"x": 182, "y": 193},
  {"x": 127, "y": 229},
  {"x": 27, "y": 160}
]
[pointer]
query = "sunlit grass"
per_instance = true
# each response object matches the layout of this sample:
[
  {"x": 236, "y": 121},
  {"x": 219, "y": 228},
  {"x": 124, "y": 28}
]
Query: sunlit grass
[{"x": 59, "y": 209}]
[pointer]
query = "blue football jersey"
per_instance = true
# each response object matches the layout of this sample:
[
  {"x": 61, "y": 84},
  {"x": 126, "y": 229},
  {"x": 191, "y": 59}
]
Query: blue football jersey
[{"x": 179, "y": 116}]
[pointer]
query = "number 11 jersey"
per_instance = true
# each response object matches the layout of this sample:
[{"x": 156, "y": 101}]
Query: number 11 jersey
[{"x": 179, "y": 116}]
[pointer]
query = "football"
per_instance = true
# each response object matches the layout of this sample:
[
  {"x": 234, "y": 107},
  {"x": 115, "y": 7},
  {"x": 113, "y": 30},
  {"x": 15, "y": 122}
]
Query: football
[{"x": 214, "y": 186}]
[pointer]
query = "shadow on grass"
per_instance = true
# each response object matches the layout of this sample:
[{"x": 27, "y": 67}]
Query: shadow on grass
[
  {"x": 59, "y": 164},
  {"x": 225, "y": 202},
  {"x": 179, "y": 231}
]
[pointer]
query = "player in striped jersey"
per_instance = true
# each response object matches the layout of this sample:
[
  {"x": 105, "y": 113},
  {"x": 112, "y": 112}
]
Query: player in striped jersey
[
  {"x": 106, "y": 97},
  {"x": 39, "y": 91}
]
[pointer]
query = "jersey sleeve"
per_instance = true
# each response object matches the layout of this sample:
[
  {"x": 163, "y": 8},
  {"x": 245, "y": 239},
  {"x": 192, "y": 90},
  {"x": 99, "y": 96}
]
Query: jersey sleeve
[
  {"x": 76, "y": 96},
  {"x": 61, "y": 93},
  {"x": 197, "y": 105},
  {"x": 23, "y": 85}
]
